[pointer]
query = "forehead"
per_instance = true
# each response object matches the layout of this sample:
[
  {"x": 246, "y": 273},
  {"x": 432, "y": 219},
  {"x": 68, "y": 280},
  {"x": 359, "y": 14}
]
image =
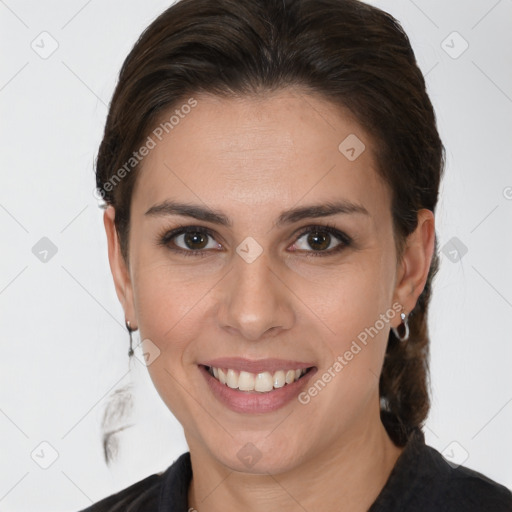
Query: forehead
[{"x": 261, "y": 153}]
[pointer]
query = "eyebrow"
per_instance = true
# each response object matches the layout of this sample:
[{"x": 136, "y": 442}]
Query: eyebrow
[{"x": 198, "y": 212}]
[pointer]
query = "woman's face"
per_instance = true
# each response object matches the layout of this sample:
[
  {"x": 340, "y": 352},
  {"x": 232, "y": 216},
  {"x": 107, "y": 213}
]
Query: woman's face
[{"x": 259, "y": 283}]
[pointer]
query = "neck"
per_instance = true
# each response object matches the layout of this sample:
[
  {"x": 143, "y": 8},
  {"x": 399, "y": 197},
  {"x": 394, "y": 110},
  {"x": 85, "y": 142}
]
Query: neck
[{"x": 348, "y": 476}]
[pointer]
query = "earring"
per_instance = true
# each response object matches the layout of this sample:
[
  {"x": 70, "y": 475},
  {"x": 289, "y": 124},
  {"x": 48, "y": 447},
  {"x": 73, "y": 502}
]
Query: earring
[
  {"x": 130, "y": 330},
  {"x": 403, "y": 327}
]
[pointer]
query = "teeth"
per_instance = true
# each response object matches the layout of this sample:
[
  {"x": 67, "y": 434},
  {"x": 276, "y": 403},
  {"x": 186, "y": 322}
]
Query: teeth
[
  {"x": 261, "y": 382},
  {"x": 279, "y": 379},
  {"x": 264, "y": 382},
  {"x": 232, "y": 379},
  {"x": 246, "y": 381}
]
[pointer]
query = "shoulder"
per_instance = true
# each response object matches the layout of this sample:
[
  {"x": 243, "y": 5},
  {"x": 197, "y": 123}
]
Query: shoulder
[
  {"x": 461, "y": 488},
  {"x": 139, "y": 496},
  {"x": 148, "y": 493},
  {"x": 424, "y": 481}
]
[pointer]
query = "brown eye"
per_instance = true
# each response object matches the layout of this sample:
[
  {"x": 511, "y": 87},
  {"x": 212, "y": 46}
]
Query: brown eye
[
  {"x": 322, "y": 239},
  {"x": 189, "y": 241},
  {"x": 318, "y": 240},
  {"x": 195, "y": 240}
]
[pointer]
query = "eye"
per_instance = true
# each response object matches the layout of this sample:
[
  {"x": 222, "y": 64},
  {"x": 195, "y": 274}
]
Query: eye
[
  {"x": 193, "y": 240},
  {"x": 189, "y": 240},
  {"x": 322, "y": 238}
]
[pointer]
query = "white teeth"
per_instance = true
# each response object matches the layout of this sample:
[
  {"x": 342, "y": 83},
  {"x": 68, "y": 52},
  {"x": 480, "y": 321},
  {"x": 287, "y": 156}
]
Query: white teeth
[
  {"x": 246, "y": 381},
  {"x": 262, "y": 382},
  {"x": 279, "y": 379},
  {"x": 232, "y": 379}
]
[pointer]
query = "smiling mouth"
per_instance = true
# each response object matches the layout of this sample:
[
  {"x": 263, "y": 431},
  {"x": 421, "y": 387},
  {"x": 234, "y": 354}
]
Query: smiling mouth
[{"x": 259, "y": 382}]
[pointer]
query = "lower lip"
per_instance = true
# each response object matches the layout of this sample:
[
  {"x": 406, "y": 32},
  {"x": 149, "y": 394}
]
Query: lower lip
[{"x": 254, "y": 401}]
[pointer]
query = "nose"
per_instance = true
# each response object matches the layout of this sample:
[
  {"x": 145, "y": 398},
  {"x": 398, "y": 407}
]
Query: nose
[{"x": 255, "y": 301}]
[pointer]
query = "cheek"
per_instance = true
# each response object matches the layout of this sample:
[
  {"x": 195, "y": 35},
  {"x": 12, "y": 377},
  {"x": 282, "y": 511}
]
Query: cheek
[
  {"x": 167, "y": 307},
  {"x": 171, "y": 316},
  {"x": 356, "y": 308},
  {"x": 360, "y": 325},
  {"x": 353, "y": 296}
]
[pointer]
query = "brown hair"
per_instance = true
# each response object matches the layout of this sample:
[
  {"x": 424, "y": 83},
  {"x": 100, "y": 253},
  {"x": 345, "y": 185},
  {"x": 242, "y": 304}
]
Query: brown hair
[{"x": 350, "y": 53}]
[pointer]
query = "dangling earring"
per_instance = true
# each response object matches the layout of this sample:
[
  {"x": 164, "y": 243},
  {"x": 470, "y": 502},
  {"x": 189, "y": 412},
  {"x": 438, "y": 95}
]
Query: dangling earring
[
  {"x": 403, "y": 335},
  {"x": 130, "y": 330}
]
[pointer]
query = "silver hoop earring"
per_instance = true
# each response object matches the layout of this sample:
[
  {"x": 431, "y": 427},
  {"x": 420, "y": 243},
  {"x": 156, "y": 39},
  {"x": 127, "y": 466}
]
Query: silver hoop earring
[
  {"x": 402, "y": 331},
  {"x": 130, "y": 330}
]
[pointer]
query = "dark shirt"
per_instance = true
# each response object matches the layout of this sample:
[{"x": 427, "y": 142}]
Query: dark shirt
[{"x": 421, "y": 481}]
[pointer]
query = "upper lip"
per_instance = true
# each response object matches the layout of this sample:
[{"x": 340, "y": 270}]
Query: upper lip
[{"x": 256, "y": 365}]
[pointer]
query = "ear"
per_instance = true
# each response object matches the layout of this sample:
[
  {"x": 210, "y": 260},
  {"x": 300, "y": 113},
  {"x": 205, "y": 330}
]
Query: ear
[
  {"x": 119, "y": 268},
  {"x": 414, "y": 267}
]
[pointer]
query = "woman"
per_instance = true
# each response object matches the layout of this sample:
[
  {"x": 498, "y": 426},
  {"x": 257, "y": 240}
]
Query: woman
[{"x": 271, "y": 170}]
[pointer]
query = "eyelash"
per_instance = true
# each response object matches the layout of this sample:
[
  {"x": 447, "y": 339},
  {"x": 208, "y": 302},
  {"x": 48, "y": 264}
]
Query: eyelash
[{"x": 166, "y": 236}]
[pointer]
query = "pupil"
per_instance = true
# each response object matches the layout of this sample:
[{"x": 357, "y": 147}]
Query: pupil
[
  {"x": 318, "y": 241},
  {"x": 195, "y": 238}
]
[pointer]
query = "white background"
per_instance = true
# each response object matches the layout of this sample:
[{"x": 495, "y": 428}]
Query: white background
[{"x": 64, "y": 344}]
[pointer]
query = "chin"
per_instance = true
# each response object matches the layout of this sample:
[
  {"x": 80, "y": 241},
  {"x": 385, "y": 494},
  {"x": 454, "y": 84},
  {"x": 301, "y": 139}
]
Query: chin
[{"x": 261, "y": 455}]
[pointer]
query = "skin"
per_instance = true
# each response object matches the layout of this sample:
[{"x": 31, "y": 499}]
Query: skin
[{"x": 253, "y": 158}]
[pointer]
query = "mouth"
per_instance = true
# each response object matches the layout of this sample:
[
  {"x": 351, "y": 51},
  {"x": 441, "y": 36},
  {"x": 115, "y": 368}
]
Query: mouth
[
  {"x": 255, "y": 386},
  {"x": 262, "y": 382}
]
